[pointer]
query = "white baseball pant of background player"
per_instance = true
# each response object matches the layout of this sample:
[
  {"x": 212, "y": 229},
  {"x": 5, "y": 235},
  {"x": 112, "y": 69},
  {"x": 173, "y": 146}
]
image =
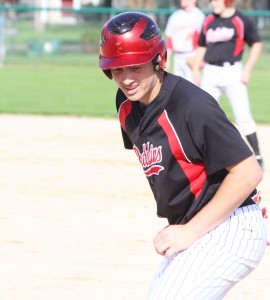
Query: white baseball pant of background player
[
  {"x": 227, "y": 79},
  {"x": 216, "y": 262},
  {"x": 181, "y": 67}
]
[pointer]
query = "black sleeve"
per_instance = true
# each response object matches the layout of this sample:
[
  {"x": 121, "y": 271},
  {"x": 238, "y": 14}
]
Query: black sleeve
[
  {"x": 251, "y": 35},
  {"x": 219, "y": 142},
  {"x": 120, "y": 98},
  {"x": 126, "y": 140},
  {"x": 201, "y": 41}
]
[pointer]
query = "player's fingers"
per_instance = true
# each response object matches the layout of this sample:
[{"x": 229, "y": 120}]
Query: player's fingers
[
  {"x": 161, "y": 248},
  {"x": 161, "y": 241},
  {"x": 169, "y": 252},
  {"x": 161, "y": 252},
  {"x": 159, "y": 237}
]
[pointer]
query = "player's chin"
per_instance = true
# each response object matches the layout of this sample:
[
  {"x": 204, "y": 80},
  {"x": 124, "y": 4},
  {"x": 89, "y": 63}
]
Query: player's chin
[
  {"x": 217, "y": 11},
  {"x": 132, "y": 97}
]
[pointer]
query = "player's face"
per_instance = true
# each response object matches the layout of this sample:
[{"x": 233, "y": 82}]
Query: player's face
[
  {"x": 138, "y": 83},
  {"x": 187, "y": 4},
  {"x": 218, "y": 6}
]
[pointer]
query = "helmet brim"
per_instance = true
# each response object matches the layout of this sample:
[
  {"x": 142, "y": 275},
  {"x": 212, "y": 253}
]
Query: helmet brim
[{"x": 126, "y": 60}]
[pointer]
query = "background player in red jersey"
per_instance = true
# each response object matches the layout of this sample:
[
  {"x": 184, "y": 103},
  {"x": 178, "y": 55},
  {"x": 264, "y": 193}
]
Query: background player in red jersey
[
  {"x": 221, "y": 44},
  {"x": 201, "y": 171}
]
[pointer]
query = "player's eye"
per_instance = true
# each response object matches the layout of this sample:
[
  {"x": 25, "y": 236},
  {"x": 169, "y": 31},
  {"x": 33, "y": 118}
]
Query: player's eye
[
  {"x": 136, "y": 68},
  {"x": 117, "y": 71}
]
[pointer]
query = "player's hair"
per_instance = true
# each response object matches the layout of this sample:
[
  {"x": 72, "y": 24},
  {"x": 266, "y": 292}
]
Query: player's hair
[
  {"x": 131, "y": 39},
  {"x": 228, "y": 2}
]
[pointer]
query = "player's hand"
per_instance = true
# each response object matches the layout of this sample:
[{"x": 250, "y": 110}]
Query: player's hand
[
  {"x": 196, "y": 77},
  {"x": 245, "y": 76},
  {"x": 172, "y": 239}
]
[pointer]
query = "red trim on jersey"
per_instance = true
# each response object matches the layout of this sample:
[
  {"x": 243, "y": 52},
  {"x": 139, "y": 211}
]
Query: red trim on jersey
[
  {"x": 195, "y": 39},
  {"x": 195, "y": 172},
  {"x": 123, "y": 112},
  {"x": 239, "y": 43},
  {"x": 169, "y": 43},
  {"x": 153, "y": 170},
  {"x": 206, "y": 22}
]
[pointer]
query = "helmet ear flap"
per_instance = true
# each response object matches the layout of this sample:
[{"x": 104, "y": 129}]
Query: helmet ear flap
[{"x": 108, "y": 73}]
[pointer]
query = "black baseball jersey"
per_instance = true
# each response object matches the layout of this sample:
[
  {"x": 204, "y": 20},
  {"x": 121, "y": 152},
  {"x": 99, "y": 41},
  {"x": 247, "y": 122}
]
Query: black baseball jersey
[
  {"x": 183, "y": 141},
  {"x": 225, "y": 38}
]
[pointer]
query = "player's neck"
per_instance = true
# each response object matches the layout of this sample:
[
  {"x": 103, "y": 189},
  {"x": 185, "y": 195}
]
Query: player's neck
[
  {"x": 227, "y": 12},
  {"x": 189, "y": 8}
]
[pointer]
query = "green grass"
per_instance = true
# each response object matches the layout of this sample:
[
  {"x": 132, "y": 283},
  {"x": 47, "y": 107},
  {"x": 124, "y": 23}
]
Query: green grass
[
  {"x": 258, "y": 93},
  {"x": 74, "y": 85},
  {"x": 76, "y": 89}
]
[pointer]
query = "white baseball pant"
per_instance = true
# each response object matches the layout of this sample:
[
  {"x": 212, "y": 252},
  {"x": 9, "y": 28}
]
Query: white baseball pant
[
  {"x": 227, "y": 78},
  {"x": 216, "y": 262},
  {"x": 180, "y": 67}
]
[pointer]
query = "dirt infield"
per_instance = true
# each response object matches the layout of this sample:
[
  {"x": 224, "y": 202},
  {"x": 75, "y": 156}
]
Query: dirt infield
[{"x": 77, "y": 216}]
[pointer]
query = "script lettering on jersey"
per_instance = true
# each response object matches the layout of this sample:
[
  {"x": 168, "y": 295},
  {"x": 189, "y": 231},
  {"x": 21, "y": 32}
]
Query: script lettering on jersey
[
  {"x": 220, "y": 34},
  {"x": 150, "y": 158}
]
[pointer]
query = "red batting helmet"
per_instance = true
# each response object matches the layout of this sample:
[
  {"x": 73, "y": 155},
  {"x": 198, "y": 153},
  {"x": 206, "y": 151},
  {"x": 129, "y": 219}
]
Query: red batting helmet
[{"x": 130, "y": 39}]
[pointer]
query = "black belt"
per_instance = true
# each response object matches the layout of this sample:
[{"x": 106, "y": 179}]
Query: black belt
[
  {"x": 221, "y": 63},
  {"x": 248, "y": 201}
]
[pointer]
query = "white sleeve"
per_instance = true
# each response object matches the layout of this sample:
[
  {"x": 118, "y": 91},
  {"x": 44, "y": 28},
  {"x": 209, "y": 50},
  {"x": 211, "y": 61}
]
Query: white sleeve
[{"x": 168, "y": 29}]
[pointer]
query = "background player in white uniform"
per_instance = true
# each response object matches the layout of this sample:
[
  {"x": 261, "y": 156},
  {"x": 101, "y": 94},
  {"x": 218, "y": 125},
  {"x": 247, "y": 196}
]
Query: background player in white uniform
[
  {"x": 201, "y": 171},
  {"x": 182, "y": 32},
  {"x": 221, "y": 45}
]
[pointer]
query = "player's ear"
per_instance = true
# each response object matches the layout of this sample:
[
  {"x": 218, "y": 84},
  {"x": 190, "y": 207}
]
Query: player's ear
[{"x": 160, "y": 61}]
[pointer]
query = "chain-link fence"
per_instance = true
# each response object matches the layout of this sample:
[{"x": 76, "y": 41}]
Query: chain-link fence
[{"x": 38, "y": 32}]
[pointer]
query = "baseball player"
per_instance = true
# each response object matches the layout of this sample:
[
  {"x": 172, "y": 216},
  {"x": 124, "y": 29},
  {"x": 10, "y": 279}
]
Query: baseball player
[
  {"x": 201, "y": 171},
  {"x": 182, "y": 33},
  {"x": 221, "y": 45}
]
